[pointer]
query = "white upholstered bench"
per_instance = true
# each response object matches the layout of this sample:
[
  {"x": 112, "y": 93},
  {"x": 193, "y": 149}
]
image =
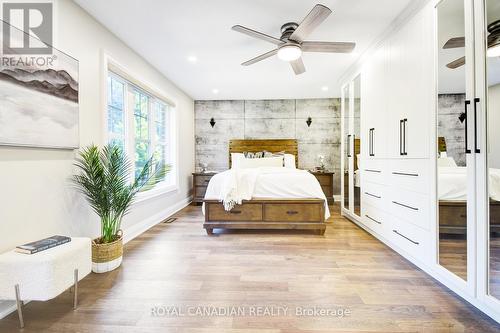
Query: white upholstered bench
[{"x": 44, "y": 275}]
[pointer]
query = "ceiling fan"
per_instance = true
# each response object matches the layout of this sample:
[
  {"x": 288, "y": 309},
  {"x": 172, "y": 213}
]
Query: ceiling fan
[
  {"x": 493, "y": 45},
  {"x": 292, "y": 42}
]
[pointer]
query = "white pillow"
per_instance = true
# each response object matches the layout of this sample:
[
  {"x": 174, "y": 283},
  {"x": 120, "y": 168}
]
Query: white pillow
[
  {"x": 290, "y": 161},
  {"x": 261, "y": 162},
  {"x": 236, "y": 159}
]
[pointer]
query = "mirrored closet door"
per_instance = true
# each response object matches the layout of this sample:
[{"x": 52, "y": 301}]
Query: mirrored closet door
[
  {"x": 455, "y": 157},
  {"x": 346, "y": 134},
  {"x": 468, "y": 140},
  {"x": 351, "y": 102},
  {"x": 489, "y": 84}
]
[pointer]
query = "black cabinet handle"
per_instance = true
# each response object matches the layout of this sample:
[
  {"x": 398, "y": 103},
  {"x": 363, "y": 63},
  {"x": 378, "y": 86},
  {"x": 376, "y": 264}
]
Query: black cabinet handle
[
  {"x": 373, "y": 195},
  {"x": 371, "y": 170},
  {"x": 405, "y": 174},
  {"x": 411, "y": 240},
  {"x": 401, "y": 152},
  {"x": 405, "y": 122},
  {"x": 371, "y": 218},
  {"x": 405, "y": 206},
  {"x": 371, "y": 136},
  {"x": 235, "y": 211},
  {"x": 292, "y": 212},
  {"x": 476, "y": 149},
  {"x": 467, "y": 150},
  {"x": 349, "y": 145},
  {"x": 353, "y": 152}
]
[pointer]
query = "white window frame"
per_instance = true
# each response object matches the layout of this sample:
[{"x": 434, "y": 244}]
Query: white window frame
[{"x": 111, "y": 67}]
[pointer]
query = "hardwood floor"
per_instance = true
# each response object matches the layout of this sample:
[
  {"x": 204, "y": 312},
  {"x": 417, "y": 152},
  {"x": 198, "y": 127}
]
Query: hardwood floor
[
  {"x": 453, "y": 254},
  {"x": 178, "y": 265}
]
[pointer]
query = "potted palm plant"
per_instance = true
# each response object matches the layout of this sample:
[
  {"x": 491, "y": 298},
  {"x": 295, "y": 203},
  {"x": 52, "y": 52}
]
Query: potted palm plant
[{"x": 105, "y": 180}]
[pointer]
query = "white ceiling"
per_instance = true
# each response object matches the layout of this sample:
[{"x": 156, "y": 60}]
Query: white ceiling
[{"x": 166, "y": 32}]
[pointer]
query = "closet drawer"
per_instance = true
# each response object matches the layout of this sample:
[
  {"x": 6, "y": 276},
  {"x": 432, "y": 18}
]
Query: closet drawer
[
  {"x": 410, "y": 174},
  {"x": 373, "y": 194},
  {"x": 409, "y": 238},
  {"x": 410, "y": 207},
  {"x": 247, "y": 212},
  {"x": 372, "y": 171},
  {"x": 374, "y": 218}
]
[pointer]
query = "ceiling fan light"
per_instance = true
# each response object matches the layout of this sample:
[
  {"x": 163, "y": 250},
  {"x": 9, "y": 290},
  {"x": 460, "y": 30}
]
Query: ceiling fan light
[
  {"x": 289, "y": 52},
  {"x": 493, "y": 51}
]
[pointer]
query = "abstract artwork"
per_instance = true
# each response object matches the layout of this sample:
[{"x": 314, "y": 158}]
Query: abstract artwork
[{"x": 39, "y": 100}]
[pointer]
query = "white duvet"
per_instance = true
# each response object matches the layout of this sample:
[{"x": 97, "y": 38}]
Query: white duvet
[
  {"x": 453, "y": 183},
  {"x": 233, "y": 186}
]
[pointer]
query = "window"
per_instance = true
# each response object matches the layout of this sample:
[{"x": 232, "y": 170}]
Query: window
[
  {"x": 140, "y": 123},
  {"x": 116, "y": 113}
]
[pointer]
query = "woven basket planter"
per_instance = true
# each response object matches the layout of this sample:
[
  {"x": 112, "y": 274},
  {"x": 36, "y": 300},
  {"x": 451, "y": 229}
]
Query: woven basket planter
[{"x": 107, "y": 256}]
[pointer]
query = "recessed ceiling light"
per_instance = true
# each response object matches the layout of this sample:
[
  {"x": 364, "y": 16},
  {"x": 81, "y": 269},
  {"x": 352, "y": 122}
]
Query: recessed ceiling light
[
  {"x": 324, "y": 88},
  {"x": 192, "y": 59},
  {"x": 215, "y": 91}
]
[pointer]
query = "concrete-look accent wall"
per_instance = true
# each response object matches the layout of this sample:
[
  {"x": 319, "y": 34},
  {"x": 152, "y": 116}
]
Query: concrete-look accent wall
[
  {"x": 450, "y": 106},
  {"x": 270, "y": 119}
]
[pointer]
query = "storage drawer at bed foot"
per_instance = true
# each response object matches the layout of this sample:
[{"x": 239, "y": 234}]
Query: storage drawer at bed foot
[
  {"x": 411, "y": 174},
  {"x": 409, "y": 238},
  {"x": 293, "y": 212},
  {"x": 247, "y": 212}
]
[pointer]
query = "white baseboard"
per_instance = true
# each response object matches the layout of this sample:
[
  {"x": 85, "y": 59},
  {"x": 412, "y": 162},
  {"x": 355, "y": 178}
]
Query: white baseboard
[
  {"x": 7, "y": 307},
  {"x": 138, "y": 228}
]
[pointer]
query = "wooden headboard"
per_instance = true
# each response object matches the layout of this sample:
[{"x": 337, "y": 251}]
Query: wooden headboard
[
  {"x": 441, "y": 144},
  {"x": 289, "y": 146}
]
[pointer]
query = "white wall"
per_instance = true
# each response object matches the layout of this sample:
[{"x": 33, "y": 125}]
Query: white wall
[{"x": 35, "y": 197}]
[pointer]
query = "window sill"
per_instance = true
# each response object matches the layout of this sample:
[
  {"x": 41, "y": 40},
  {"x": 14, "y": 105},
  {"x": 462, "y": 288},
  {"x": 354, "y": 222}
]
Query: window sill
[{"x": 155, "y": 192}]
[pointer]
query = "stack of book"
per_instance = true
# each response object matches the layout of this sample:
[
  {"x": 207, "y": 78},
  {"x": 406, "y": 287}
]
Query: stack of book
[{"x": 42, "y": 245}]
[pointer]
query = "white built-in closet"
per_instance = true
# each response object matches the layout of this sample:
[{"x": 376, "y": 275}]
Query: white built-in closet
[{"x": 422, "y": 151}]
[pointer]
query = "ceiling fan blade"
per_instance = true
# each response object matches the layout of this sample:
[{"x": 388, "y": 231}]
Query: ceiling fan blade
[
  {"x": 457, "y": 63},
  {"x": 298, "y": 66},
  {"x": 259, "y": 58},
  {"x": 256, "y": 34},
  {"x": 315, "y": 17},
  {"x": 332, "y": 47},
  {"x": 454, "y": 43}
]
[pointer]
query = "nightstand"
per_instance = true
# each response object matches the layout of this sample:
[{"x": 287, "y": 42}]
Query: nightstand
[
  {"x": 200, "y": 183},
  {"x": 325, "y": 179}
]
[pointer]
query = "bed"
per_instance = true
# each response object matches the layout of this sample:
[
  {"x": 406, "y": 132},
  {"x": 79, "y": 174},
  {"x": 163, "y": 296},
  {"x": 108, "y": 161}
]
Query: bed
[
  {"x": 274, "y": 197},
  {"x": 452, "y": 194}
]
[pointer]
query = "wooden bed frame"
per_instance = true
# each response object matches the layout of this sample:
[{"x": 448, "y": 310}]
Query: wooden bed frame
[
  {"x": 453, "y": 214},
  {"x": 453, "y": 217},
  {"x": 263, "y": 213}
]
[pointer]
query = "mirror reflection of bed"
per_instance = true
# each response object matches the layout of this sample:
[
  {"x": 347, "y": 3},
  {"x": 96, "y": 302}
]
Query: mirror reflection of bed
[{"x": 452, "y": 193}]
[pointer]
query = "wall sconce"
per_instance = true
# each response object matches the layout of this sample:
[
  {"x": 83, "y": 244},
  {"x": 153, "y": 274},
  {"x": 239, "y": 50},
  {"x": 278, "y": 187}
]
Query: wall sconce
[
  {"x": 309, "y": 122},
  {"x": 462, "y": 117},
  {"x": 212, "y": 122}
]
